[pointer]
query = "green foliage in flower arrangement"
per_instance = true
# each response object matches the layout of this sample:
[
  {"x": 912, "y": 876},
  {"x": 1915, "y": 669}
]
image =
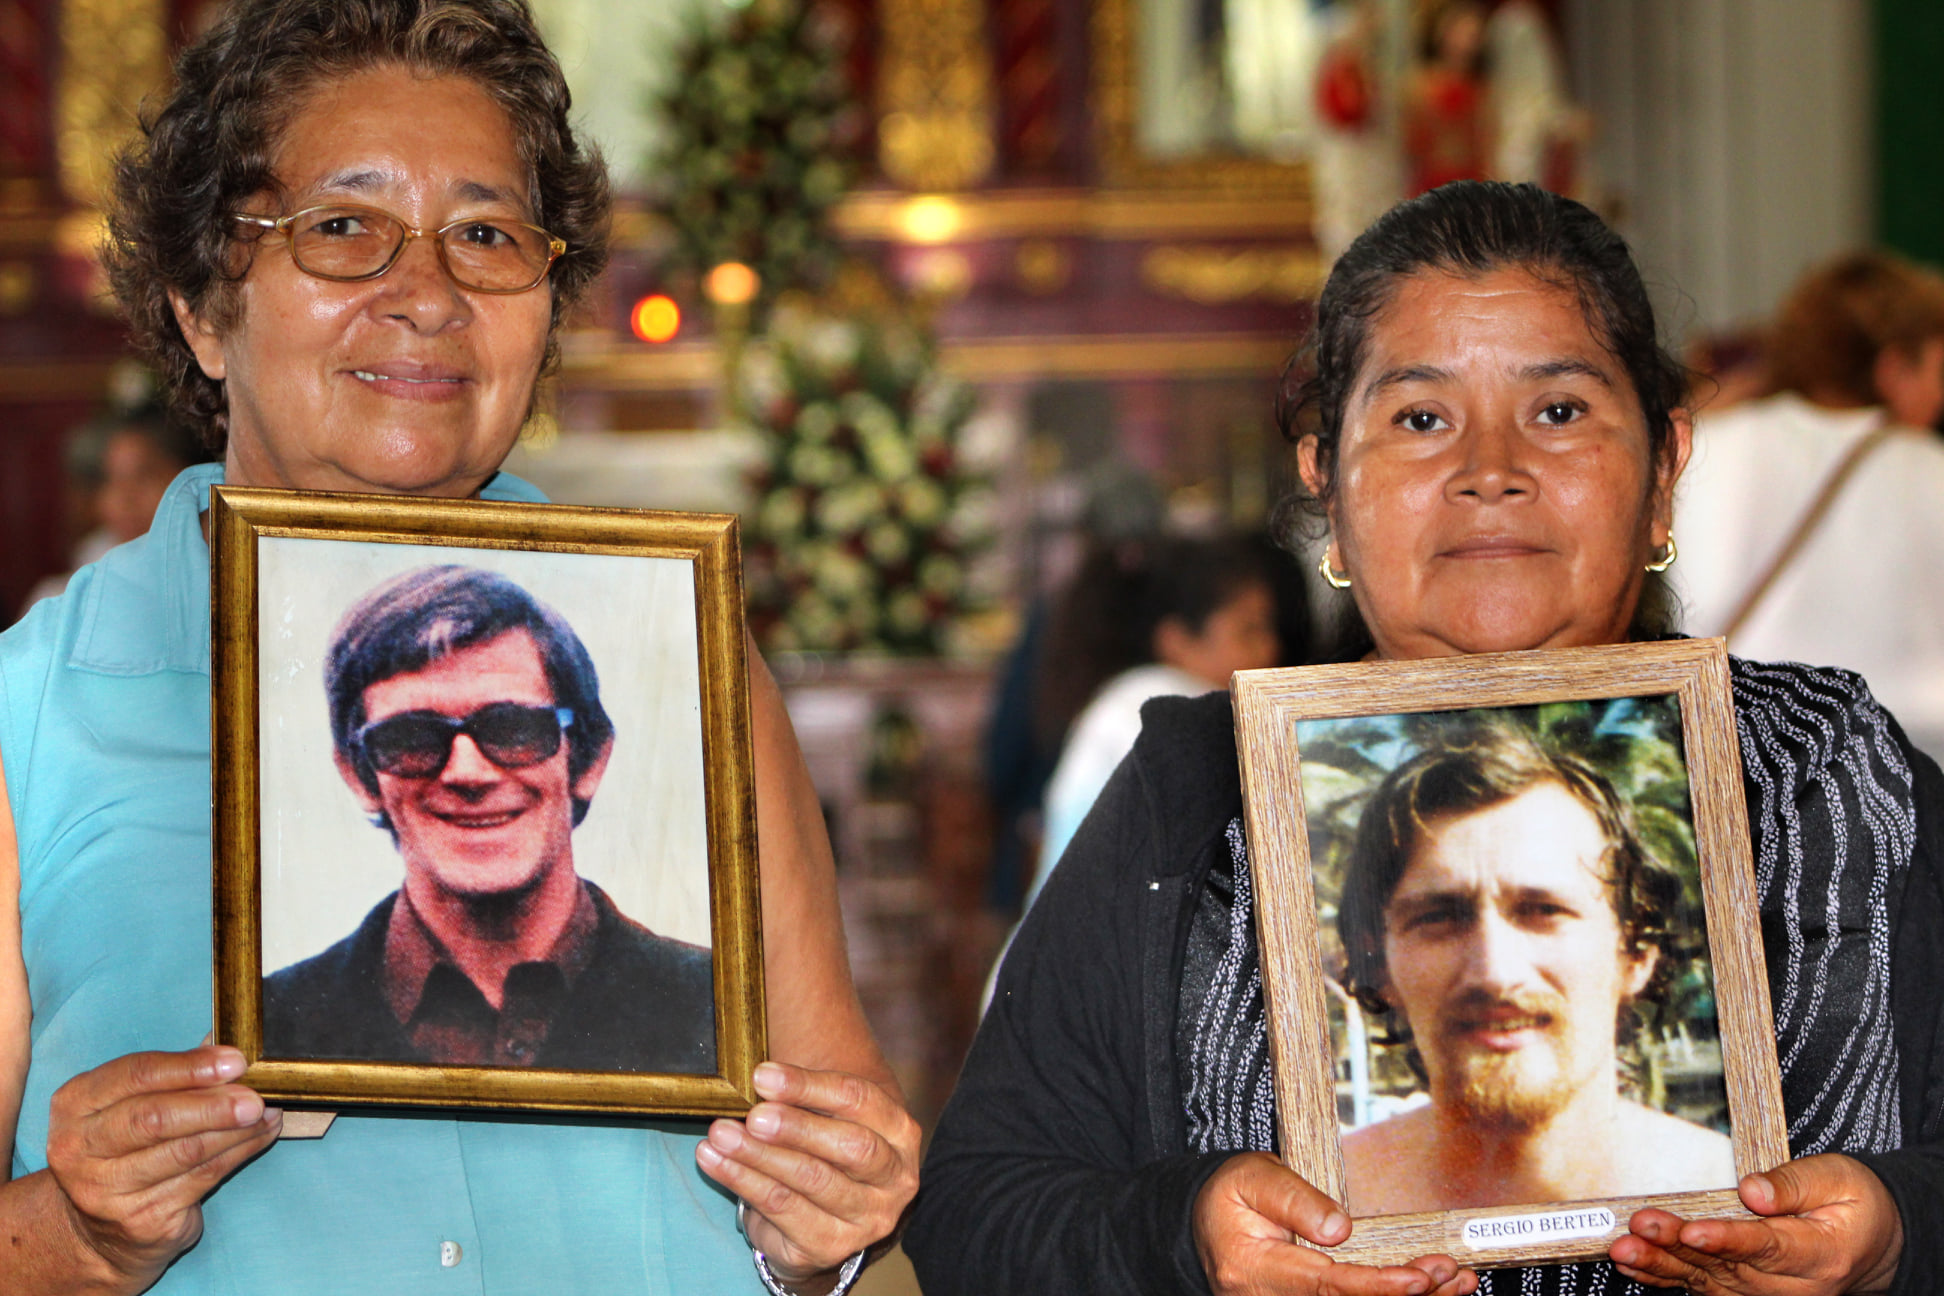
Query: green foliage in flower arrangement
[
  {"x": 762, "y": 130},
  {"x": 868, "y": 515}
]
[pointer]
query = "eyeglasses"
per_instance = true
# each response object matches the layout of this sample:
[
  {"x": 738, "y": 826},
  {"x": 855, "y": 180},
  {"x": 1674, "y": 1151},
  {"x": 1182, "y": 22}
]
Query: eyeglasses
[
  {"x": 348, "y": 243},
  {"x": 417, "y": 744}
]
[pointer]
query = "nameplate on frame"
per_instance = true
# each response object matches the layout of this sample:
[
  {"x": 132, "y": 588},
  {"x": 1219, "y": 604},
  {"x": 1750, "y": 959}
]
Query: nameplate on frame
[{"x": 1542, "y": 1226}]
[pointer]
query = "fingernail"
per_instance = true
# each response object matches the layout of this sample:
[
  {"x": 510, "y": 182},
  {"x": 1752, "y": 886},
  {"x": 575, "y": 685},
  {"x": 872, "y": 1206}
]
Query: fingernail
[
  {"x": 705, "y": 1153},
  {"x": 273, "y": 1116},
  {"x": 726, "y": 1136},
  {"x": 765, "y": 1121},
  {"x": 228, "y": 1064},
  {"x": 769, "y": 1079},
  {"x": 1335, "y": 1224},
  {"x": 247, "y": 1110}
]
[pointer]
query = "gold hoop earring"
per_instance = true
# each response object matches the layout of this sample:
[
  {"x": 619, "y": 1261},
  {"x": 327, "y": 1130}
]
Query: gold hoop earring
[
  {"x": 1666, "y": 560},
  {"x": 1332, "y": 577}
]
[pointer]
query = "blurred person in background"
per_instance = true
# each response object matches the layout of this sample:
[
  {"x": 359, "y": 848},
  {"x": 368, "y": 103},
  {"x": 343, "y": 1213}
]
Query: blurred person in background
[
  {"x": 1811, "y": 521},
  {"x": 1073, "y": 639},
  {"x": 1207, "y": 609},
  {"x": 1097, "y": 626},
  {"x": 122, "y": 462},
  {"x": 1289, "y": 589}
]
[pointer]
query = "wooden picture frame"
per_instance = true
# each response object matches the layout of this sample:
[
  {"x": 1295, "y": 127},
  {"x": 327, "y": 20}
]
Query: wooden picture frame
[
  {"x": 1440, "y": 696},
  {"x": 319, "y": 603}
]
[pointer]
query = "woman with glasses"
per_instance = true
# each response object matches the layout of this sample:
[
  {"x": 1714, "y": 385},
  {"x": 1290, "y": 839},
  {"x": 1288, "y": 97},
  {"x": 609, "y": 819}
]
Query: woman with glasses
[{"x": 346, "y": 243}]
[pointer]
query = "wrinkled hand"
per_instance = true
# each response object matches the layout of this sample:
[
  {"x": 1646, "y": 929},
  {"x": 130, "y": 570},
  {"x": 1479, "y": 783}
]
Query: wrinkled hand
[
  {"x": 827, "y": 1165},
  {"x": 1252, "y": 1218},
  {"x": 1830, "y": 1226},
  {"x": 137, "y": 1143}
]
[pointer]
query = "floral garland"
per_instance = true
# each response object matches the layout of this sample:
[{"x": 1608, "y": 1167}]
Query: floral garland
[
  {"x": 761, "y": 132},
  {"x": 869, "y": 515}
]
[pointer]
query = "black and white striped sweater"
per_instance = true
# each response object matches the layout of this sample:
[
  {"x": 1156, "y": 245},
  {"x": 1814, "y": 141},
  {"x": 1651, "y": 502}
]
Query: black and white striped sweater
[{"x": 1833, "y": 816}]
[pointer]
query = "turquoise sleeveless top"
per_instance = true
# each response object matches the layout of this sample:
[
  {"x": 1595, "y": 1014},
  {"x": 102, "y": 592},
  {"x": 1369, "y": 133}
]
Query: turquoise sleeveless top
[{"x": 104, "y": 730}]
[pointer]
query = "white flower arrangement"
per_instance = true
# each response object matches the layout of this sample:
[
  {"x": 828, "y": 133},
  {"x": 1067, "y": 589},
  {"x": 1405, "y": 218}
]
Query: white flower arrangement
[{"x": 869, "y": 511}]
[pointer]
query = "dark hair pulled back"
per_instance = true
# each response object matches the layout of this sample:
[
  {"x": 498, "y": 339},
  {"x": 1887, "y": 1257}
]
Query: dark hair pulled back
[
  {"x": 208, "y": 150},
  {"x": 1471, "y": 228}
]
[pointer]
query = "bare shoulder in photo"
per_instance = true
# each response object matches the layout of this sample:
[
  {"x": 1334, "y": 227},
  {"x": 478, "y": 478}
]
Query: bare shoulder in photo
[{"x": 1509, "y": 932}]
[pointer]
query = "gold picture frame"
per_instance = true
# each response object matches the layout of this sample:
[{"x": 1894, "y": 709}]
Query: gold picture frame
[
  {"x": 1688, "y": 678},
  {"x": 276, "y": 558}
]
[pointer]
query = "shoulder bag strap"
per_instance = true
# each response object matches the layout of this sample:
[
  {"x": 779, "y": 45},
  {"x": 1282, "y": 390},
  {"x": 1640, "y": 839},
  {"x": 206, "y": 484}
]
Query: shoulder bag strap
[{"x": 1806, "y": 525}]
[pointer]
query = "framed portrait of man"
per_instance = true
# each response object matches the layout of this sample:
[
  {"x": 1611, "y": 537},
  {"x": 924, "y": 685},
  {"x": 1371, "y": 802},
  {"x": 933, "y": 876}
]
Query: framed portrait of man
[
  {"x": 1509, "y": 945},
  {"x": 484, "y": 805}
]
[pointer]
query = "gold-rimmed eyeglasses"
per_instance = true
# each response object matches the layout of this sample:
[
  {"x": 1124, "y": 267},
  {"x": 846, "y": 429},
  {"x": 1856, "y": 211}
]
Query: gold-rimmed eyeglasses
[{"x": 348, "y": 243}]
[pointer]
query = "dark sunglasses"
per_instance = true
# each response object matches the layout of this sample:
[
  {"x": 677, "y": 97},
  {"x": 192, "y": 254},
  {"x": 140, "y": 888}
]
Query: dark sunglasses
[{"x": 417, "y": 744}]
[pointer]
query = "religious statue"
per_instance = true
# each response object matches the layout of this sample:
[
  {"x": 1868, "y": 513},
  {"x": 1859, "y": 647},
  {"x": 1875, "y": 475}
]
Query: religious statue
[
  {"x": 1358, "y": 176},
  {"x": 1447, "y": 118},
  {"x": 1540, "y": 133}
]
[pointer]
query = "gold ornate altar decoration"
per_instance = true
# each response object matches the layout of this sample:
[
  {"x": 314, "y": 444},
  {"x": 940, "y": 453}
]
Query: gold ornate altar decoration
[
  {"x": 936, "y": 127},
  {"x": 113, "y": 56},
  {"x": 1119, "y": 45},
  {"x": 1010, "y": 167},
  {"x": 73, "y": 74}
]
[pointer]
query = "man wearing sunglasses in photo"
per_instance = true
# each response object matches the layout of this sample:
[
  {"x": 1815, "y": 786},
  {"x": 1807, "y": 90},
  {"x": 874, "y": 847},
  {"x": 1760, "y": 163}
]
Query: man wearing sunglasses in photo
[{"x": 467, "y": 720}]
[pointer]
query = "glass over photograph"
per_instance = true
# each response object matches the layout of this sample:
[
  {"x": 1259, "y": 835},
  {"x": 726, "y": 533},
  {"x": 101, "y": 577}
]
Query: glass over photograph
[
  {"x": 1511, "y": 928},
  {"x": 484, "y": 835}
]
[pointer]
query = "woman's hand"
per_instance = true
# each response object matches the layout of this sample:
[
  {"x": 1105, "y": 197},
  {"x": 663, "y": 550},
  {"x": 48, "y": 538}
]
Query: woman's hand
[
  {"x": 137, "y": 1143},
  {"x": 1829, "y": 1226},
  {"x": 827, "y": 1166},
  {"x": 829, "y": 1163},
  {"x": 1252, "y": 1219}
]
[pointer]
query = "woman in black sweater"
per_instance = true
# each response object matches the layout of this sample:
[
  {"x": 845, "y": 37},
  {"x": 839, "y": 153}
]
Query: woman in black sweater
[{"x": 1492, "y": 433}]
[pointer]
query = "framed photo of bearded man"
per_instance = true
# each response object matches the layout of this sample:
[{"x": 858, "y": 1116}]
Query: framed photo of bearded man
[
  {"x": 1510, "y": 948},
  {"x": 484, "y": 807}
]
